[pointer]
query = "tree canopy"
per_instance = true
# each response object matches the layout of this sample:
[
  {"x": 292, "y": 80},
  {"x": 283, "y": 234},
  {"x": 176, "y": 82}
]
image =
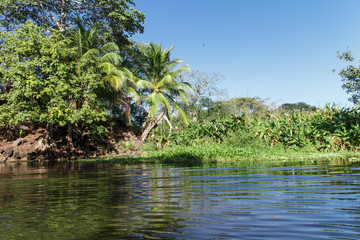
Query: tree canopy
[
  {"x": 300, "y": 106},
  {"x": 238, "y": 106},
  {"x": 116, "y": 16},
  {"x": 44, "y": 84},
  {"x": 350, "y": 77},
  {"x": 160, "y": 72}
]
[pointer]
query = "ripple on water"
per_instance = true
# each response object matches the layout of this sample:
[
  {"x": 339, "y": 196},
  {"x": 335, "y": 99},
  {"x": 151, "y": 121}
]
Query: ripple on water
[{"x": 153, "y": 202}]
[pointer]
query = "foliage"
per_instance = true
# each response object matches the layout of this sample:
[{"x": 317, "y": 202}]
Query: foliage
[
  {"x": 350, "y": 77},
  {"x": 215, "y": 152},
  {"x": 212, "y": 130},
  {"x": 160, "y": 72},
  {"x": 117, "y": 16},
  {"x": 160, "y": 81},
  {"x": 300, "y": 106},
  {"x": 239, "y": 106},
  {"x": 83, "y": 39},
  {"x": 97, "y": 43},
  {"x": 326, "y": 129},
  {"x": 43, "y": 82}
]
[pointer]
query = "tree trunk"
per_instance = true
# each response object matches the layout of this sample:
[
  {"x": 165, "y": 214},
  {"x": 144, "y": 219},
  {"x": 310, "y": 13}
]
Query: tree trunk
[
  {"x": 170, "y": 126},
  {"x": 69, "y": 137},
  {"x": 128, "y": 109},
  {"x": 149, "y": 125},
  {"x": 49, "y": 130}
]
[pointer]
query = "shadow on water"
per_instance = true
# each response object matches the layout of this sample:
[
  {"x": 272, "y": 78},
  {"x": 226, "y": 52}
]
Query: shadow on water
[
  {"x": 175, "y": 160},
  {"x": 192, "y": 160}
]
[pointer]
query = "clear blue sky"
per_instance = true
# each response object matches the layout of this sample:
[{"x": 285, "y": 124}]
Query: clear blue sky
[{"x": 284, "y": 50}]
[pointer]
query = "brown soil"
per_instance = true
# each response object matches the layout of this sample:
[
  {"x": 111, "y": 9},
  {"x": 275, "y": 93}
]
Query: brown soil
[{"x": 34, "y": 143}]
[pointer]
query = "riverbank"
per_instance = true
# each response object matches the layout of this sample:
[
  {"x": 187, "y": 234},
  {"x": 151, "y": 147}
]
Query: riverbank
[
  {"x": 226, "y": 154},
  {"x": 34, "y": 147},
  {"x": 122, "y": 144},
  {"x": 35, "y": 144}
]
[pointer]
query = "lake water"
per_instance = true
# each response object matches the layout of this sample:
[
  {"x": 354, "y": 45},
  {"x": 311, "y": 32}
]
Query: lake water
[{"x": 87, "y": 200}]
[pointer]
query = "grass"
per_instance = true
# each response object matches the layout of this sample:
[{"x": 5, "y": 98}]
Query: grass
[{"x": 228, "y": 155}]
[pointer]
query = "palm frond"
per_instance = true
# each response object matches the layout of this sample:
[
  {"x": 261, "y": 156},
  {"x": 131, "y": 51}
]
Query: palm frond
[
  {"x": 110, "y": 47},
  {"x": 156, "y": 100},
  {"x": 153, "y": 105},
  {"x": 181, "y": 69},
  {"x": 115, "y": 81},
  {"x": 89, "y": 54},
  {"x": 112, "y": 58},
  {"x": 163, "y": 101},
  {"x": 107, "y": 67},
  {"x": 182, "y": 114},
  {"x": 168, "y": 79},
  {"x": 130, "y": 78},
  {"x": 130, "y": 91},
  {"x": 141, "y": 84},
  {"x": 183, "y": 95}
]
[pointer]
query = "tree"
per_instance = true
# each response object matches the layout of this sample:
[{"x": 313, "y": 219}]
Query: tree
[
  {"x": 95, "y": 43},
  {"x": 350, "y": 77},
  {"x": 207, "y": 104},
  {"x": 47, "y": 86},
  {"x": 238, "y": 106},
  {"x": 122, "y": 80},
  {"x": 204, "y": 87},
  {"x": 160, "y": 81},
  {"x": 300, "y": 106},
  {"x": 83, "y": 39},
  {"x": 116, "y": 16}
]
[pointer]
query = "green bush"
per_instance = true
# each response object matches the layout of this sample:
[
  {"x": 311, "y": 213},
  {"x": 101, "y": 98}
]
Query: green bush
[{"x": 327, "y": 129}]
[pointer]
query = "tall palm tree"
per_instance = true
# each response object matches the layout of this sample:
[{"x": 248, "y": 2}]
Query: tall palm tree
[{"x": 159, "y": 73}]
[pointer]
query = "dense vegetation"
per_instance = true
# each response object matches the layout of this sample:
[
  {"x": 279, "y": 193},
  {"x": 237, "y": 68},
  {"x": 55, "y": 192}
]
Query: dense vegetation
[
  {"x": 260, "y": 135},
  {"x": 70, "y": 69}
]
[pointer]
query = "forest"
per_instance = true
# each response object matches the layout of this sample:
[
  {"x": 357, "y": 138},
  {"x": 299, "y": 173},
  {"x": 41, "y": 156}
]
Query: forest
[{"x": 73, "y": 84}]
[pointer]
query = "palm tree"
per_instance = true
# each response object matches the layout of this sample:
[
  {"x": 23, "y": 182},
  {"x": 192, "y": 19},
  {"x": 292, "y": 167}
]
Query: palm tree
[
  {"x": 91, "y": 47},
  {"x": 121, "y": 79},
  {"x": 93, "y": 44},
  {"x": 160, "y": 80}
]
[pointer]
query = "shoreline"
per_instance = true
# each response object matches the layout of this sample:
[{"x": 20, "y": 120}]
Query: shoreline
[{"x": 126, "y": 147}]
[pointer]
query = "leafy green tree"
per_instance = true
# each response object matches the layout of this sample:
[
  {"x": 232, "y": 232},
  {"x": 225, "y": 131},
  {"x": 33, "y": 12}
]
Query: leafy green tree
[
  {"x": 46, "y": 86},
  {"x": 206, "y": 104},
  {"x": 95, "y": 43},
  {"x": 116, "y": 15},
  {"x": 350, "y": 77},
  {"x": 238, "y": 106},
  {"x": 164, "y": 90},
  {"x": 83, "y": 39},
  {"x": 300, "y": 106}
]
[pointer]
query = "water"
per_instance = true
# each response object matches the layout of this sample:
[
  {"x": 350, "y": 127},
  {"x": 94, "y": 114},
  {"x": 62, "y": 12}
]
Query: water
[{"x": 80, "y": 200}]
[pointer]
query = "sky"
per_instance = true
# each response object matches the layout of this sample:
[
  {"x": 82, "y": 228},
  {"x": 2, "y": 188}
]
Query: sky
[{"x": 281, "y": 50}]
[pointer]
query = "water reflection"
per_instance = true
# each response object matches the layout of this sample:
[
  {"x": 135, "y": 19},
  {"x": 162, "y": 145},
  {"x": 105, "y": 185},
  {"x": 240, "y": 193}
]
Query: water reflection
[{"x": 88, "y": 200}]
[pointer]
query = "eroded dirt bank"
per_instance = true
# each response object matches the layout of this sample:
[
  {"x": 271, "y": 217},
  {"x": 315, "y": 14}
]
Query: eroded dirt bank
[{"x": 34, "y": 143}]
